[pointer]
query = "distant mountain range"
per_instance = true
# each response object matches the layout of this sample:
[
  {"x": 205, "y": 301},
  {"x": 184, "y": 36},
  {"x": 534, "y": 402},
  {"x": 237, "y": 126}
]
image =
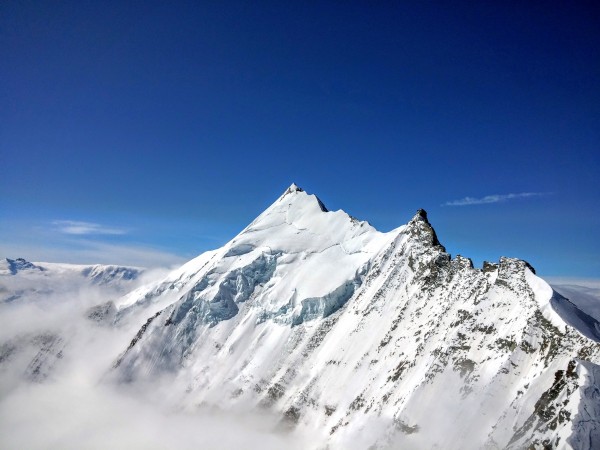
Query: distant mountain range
[{"x": 23, "y": 279}]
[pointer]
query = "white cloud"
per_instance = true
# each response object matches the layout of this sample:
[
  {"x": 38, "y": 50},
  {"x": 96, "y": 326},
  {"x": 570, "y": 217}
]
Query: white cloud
[
  {"x": 84, "y": 228},
  {"x": 78, "y": 405},
  {"x": 74, "y": 242},
  {"x": 496, "y": 198}
]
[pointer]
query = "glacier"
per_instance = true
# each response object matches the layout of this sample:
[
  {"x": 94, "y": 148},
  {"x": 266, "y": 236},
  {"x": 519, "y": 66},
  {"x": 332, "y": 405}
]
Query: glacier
[{"x": 353, "y": 338}]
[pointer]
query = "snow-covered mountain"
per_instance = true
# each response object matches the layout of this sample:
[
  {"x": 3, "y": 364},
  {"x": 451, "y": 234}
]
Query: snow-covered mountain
[
  {"x": 363, "y": 339},
  {"x": 14, "y": 266}
]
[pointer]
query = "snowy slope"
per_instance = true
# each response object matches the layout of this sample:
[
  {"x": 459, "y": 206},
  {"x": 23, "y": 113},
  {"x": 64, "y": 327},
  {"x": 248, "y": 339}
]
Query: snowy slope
[{"x": 361, "y": 338}]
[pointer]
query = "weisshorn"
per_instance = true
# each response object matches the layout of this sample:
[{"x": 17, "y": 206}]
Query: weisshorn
[{"x": 363, "y": 339}]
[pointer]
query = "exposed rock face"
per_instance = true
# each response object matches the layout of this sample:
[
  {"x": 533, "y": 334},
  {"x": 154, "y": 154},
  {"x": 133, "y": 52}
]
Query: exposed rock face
[{"x": 370, "y": 339}]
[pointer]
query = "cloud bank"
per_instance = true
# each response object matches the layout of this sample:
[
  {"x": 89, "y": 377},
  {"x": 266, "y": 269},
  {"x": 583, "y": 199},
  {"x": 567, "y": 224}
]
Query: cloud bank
[
  {"x": 496, "y": 198},
  {"x": 68, "y": 402}
]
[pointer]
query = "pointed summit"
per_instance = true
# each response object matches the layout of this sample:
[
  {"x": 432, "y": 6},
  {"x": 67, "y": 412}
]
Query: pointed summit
[
  {"x": 422, "y": 228},
  {"x": 421, "y": 214},
  {"x": 295, "y": 189}
]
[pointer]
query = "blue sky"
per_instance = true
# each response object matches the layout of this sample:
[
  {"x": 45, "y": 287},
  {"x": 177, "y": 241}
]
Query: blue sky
[{"x": 148, "y": 132}]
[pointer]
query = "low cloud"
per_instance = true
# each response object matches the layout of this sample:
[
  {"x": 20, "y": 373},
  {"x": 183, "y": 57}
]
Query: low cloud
[
  {"x": 56, "y": 391},
  {"x": 496, "y": 198},
  {"x": 70, "y": 414},
  {"x": 583, "y": 292},
  {"x": 85, "y": 228},
  {"x": 590, "y": 283}
]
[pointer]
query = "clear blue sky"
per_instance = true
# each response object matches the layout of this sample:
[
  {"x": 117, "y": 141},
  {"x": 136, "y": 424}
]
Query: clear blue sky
[{"x": 167, "y": 126}]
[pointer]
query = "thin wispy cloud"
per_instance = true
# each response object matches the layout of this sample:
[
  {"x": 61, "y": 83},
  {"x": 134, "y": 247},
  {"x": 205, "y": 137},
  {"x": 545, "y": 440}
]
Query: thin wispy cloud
[
  {"x": 78, "y": 242},
  {"x": 85, "y": 228},
  {"x": 496, "y": 198},
  {"x": 85, "y": 251}
]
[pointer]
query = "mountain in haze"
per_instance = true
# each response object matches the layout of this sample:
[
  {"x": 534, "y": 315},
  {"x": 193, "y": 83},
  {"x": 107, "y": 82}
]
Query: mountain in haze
[
  {"x": 14, "y": 266},
  {"x": 21, "y": 279},
  {"x": 363, "y": 339}
]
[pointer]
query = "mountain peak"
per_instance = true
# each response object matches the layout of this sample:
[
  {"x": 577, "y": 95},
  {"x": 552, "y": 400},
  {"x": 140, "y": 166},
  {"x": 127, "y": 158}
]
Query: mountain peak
[
  {"x": 295, "y": 189},
  {"x": 421, "y": 227},
  {"x": 13, "y": 266},
  {"x": 421, "y": 214},
  {"x": 292, "y": 189}
]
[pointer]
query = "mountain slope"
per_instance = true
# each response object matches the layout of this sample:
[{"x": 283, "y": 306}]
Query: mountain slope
[{"x": 363, "y": 338}]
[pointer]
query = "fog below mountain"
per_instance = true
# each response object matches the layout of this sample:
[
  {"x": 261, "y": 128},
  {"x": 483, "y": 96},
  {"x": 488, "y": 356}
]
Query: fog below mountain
[{"x": 74, "y": 406}]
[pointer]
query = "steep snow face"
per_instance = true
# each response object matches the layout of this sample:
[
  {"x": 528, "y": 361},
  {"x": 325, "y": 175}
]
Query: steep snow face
[
  {"x": 361, "y": 338},
  {"x": 301, "y": 260}
]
